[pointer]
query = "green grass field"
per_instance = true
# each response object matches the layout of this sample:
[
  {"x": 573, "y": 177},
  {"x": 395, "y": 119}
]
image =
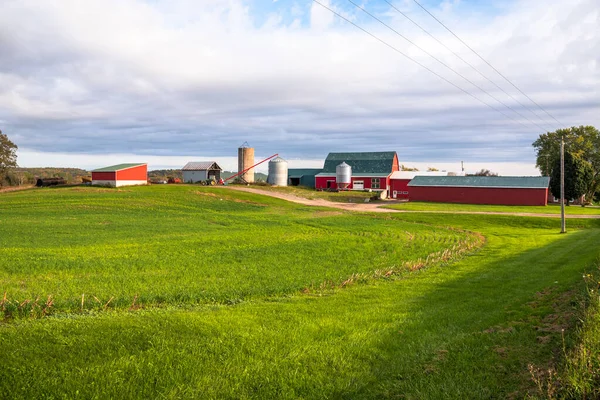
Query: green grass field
[
  {"x": 188, "y": 245},
  {"x": 350, "y": 196},
  {"x": 467, "y": 326},
  {"x": 449, "y": 207}
]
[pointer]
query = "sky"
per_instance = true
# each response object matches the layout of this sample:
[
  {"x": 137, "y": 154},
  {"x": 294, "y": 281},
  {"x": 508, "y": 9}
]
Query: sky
[{"x": 98, "y": 82}]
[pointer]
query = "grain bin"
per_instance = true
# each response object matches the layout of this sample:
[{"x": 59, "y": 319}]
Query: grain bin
[
  {"x": 278, "y": 172},
  {"x": 343, "y": 176},
  {"x": 246, "y": 160}
]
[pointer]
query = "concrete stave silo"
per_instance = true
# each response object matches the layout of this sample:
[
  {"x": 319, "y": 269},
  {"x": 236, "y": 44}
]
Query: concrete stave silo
[{"x": 246, "y": 160}]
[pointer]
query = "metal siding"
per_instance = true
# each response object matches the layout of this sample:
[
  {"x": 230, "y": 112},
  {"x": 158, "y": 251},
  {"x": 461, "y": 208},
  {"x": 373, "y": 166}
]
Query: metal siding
[
  {"x": 133, "y": 174},
  {"x": 400, "y": 185},
  {"x": 321, "y": 181},
  {"x": 494, "y": 196},
  {"x": 194, "y": 176},
  {"x": 103, "y": 176},
  {"x": 308, "y": 181}
]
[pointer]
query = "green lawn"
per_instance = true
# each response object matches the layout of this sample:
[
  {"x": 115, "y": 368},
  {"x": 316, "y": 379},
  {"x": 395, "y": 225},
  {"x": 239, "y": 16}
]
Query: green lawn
[
  {"x": 188, "y": 245},
  {"x": 350, "y": 196},
  {"x": 460, "y": 329},
  {"x": 450, "y": 207}
]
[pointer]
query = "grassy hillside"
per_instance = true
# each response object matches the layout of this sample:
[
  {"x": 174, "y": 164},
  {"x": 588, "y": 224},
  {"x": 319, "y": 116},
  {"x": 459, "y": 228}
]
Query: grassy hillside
[
  {"x": 448, "y": 207},
  {"x": 187, "y": 245},
  {"x": 469, "y": 328}
]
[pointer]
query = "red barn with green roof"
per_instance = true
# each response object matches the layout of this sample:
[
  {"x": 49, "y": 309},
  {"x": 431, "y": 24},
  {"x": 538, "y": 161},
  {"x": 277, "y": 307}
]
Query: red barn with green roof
[
  {"x": 370, "y": 170},
  {"x": 121, "y": 175}
]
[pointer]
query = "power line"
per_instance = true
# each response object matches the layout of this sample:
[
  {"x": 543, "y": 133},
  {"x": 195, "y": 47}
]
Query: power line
[
  {"x": 466, "y": 62},
  {"x": 445, "y": 65},
  {"x": 484, "y": 60},
  {"x": 416, "y": 62}
]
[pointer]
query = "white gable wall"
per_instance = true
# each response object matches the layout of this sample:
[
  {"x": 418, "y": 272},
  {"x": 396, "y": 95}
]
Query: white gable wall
[{"x": 194, "y": 176}]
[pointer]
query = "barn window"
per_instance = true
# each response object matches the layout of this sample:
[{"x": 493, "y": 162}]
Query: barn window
[{"x": 375, "y": 182}]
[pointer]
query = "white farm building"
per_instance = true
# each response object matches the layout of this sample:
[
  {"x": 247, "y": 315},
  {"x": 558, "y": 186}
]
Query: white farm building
[{"x": 198, "y": 171}]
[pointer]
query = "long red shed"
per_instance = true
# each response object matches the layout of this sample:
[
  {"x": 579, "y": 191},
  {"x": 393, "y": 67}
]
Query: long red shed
[
  {"x": 121, "y": 175},
  {"x": 501, "y": 190}
]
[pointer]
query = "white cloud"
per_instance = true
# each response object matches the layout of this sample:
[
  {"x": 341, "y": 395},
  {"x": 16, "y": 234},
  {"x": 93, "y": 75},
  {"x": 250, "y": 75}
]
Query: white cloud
[{"x": 167, "y": 78}]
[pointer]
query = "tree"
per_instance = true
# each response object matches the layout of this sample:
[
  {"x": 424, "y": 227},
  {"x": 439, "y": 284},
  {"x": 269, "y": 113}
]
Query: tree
[
  {"x": 578, "y": 173},
  {"x": 432, "y": 169},
  {"x": 485, "y": 172},
  {"x": 582, "y": 142},
  {"x": 403, "y": 168},
  {"x": 8, "y": 156}
]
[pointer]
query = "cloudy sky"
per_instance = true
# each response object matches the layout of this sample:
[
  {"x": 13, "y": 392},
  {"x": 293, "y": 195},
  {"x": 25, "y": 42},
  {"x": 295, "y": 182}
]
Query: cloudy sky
[{"x": 94, "y": 82}]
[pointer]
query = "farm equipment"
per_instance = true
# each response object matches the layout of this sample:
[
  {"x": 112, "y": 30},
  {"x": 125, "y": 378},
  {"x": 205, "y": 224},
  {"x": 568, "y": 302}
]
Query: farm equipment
[
  {"x": 208, "y": 182},
  {"x": 173, "y": 180}
]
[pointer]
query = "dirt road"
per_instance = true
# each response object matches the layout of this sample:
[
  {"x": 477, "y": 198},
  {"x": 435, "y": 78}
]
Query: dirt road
[{"x": 377, "y": 207}]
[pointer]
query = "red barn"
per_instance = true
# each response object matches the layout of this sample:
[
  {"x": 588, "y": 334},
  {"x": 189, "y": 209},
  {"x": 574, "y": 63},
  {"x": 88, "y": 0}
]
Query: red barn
[
  {"x": 503, "y": 190},
  {"x": 399, "y": 181},
  {"x": 370, "y": 170},
  {"x": 121, "y": 175}
]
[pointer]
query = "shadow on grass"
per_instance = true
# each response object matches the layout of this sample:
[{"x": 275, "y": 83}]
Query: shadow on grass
[{"x": 477, "y": 328}]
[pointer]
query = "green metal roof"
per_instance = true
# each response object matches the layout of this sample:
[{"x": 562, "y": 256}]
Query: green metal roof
[
  {"x": 300, "y": 172},
  {"x": 528, "y": 182},
  {"x": 374, "y": 162},
  {"x": 117, "y": 167}
]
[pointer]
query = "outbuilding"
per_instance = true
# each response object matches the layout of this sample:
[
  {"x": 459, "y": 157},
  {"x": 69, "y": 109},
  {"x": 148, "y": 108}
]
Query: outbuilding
[
  {"x": 198, "y": 171},
  {"x": 121, "y": 175},
  {"x": 399, "y": 181},
  {"x": 370, "y": 170},
  {"x": 303, "y": 176},
  {"x": 501, "y": 190}
]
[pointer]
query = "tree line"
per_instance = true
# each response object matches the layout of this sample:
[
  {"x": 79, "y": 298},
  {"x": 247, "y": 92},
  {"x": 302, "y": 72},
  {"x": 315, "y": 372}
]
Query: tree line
[{"x": 582, "y": 161}]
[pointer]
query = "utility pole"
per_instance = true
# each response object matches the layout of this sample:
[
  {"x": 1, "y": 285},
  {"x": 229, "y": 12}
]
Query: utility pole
[{"x": 563, "y": 228}]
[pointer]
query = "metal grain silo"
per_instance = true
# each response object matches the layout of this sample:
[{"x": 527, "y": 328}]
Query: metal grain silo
[
  {"x": 278, "y": 172},
  {"x": 246, "y": 160},
  {"x": 343, "y": 176}
]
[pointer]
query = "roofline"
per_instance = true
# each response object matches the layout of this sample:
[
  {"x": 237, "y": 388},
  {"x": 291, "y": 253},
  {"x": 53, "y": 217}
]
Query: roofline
[
  {"x": 481, "y": 187},
  {"x": 201, "y": 169},
  {"x": 369, "y": 175},
  {"x": 120, "y": 169}
]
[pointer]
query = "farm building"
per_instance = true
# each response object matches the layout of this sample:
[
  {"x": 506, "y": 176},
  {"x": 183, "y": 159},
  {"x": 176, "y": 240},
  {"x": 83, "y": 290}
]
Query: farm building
[
  {"x": 198, "y": 171},
  {"x": 368, "y": 170},
  {"x": 121, "y": 175},
  {"x": 303, "y": 176},
  {"x": 399, "y": 181},
  {"x": 503, "y": 190}
]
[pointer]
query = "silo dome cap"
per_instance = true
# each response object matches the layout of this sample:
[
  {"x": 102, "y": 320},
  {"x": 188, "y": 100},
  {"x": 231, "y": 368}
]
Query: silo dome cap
[
  {"x": 343, "y": 164},
  {"x": 277, "y": 159}
]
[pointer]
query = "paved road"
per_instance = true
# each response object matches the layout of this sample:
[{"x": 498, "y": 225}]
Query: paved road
[{"x": 376, "y": 207}]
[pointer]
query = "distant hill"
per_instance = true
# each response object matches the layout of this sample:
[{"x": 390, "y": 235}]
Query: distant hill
[{"x": 27, "y": 176}]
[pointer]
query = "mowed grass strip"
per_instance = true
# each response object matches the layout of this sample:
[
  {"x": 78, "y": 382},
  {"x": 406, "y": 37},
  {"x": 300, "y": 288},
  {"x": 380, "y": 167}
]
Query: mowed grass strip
[
  {"x": 449, "y": 207},
  {"x": 168, "y": 245},
  {"x": 465, "y": 330}
]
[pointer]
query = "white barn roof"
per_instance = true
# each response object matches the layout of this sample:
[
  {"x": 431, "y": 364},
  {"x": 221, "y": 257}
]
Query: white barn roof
[
  {"x": 201, "y": 166},
  {"x": 413, "y": 174}
]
